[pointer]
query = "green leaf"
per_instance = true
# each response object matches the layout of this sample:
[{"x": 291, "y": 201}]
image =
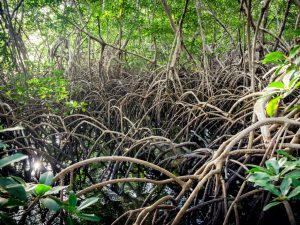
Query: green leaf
[
  {"x": 282, "y": 161},
  {"x": 55, "y": 190},
  {"x": 272, "y": 164},
  {"x": 293, "y": 174},
  {"x": 257, "y": 169},
  {"x": 294, "y": 51},
  {"x": 72, "y": 199},
  {"x": 285, "y": 186},
  {"x": 284, "y": 153},
  {"x": 278, "y": 70},
  {"x": 288, "y": 80},
  {"x": 11, "y": 159},
  {"x": 297, "y": 84},
  {"x": 295, "y": 183},
  {"x": 254, "y": 170},
  {"x": 294, "y": 107},
  {"x": 69, "y": 221},
  {"x": 89, "y": 217},
  {"x": 19, "y": 180},
  {"x": 274, "y": 57},
  {"x": 86, "y": 203},
  {"x": 273, "y": 106},
  {"x": 270, "y": 205},
  {"x": 5, "y": 181},
  {"x": 294, "y": 83},
  {"x": 288, "y": 167},
  {"x": 46, "y": 178},
  {"x": 50, "y": 204},
  {"x": 271, "y": 188},
  {"x": 14, "y": 189},
  {"x": 41, "y": 189},
  {"x": 259, "y": 176},
  {"x": 276, "y": 84},
  {"x": 17, "y": 190},
  {"x": 294, "y": 192}
]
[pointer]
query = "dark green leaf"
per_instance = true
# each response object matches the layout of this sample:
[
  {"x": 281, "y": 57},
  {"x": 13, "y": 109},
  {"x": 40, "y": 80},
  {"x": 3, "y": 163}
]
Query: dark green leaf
[
  {"x": 72, "y": 199},
  {"x": 69, "y": 221},
  {"x": 5, "y": 181},
  {"x": 295, "y": 183},
  {"x": 17, "y": 191},
  {"x": 271, "y": 188},
  {"x": 253, "y": 170},
  {"x": 19, "y": 180},
  {"x": 284, "y": 153},
  {"x": 12, "y": 159}
]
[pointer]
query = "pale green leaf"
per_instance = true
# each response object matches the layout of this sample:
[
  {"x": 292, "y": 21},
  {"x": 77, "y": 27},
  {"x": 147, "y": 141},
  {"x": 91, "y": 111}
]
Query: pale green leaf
[
  {"x": 46, "y": 178},
  {"x": 294, "y": 192},
  {"x": 270, "y": 205},
  {"x": 87, "y": 202},
  {"x": 272, "y": 106},
  {"x": 285, "y": 186},
  {"x": 50, "y": 204}
]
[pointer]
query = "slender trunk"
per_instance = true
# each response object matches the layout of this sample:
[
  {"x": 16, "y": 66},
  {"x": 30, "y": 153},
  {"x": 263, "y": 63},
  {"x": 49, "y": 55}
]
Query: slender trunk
[{"x": 205, "y": 60}]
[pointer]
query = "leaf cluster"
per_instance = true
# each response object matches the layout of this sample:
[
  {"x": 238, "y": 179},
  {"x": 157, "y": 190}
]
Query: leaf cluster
[
  {"x": 281, "y": 177},
  {"x": 289, "y": 67},
  {"x": 15, "y": 192}
]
